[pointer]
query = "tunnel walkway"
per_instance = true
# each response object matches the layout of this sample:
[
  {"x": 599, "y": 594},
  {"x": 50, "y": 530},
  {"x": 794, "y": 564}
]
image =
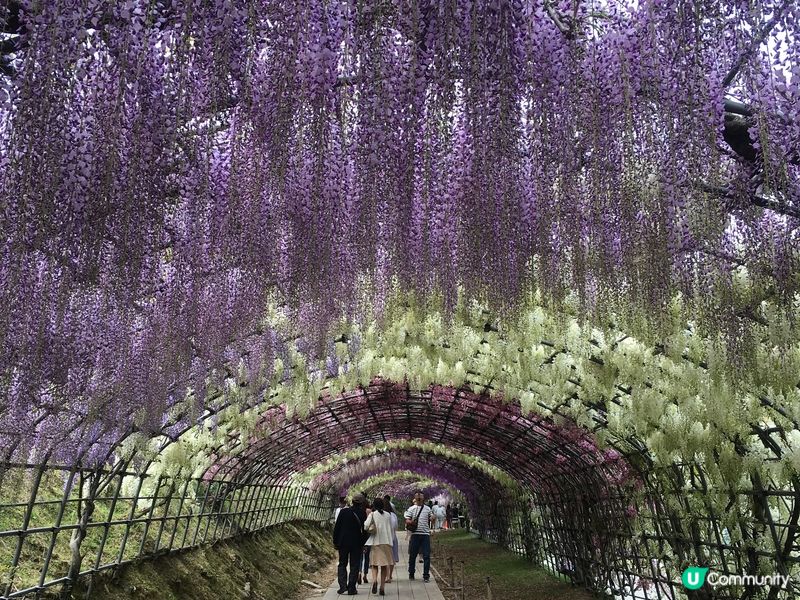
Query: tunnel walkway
[{"x": 400, "y": 587}]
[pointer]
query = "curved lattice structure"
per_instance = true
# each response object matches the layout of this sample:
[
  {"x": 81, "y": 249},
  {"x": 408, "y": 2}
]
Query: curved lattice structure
[{"x": 543, "y": 254}]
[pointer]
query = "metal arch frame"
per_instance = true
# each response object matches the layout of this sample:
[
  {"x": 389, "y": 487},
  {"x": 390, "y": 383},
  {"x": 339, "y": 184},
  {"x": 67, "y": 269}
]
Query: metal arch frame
[
  {"x": 684, "y": 542},
  {"x": 596, "y": 411},
  {"x": 266, "y": 465},
  {"x": 470, "y": 481},
  {"x": 270, "y": 456},
  {"x": 481, "y": 491},
  {"x": 404, "y": 487},
  {"x": 408, "y": 484},
  {"x": 679, "y": 539}
]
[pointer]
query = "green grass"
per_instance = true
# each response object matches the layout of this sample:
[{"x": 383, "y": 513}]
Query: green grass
[
  {"x": 272, "y": 562},
  {"x": 511, "y": 575},
  {"x": 16, "y": 487}
]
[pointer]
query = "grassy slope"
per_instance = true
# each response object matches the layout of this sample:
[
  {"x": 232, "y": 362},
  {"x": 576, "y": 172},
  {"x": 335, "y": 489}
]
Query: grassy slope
[
  {"x": 273, "y": 561},
  {"x": 15, "y": 488},
  {"x": 511, "y": 575}
]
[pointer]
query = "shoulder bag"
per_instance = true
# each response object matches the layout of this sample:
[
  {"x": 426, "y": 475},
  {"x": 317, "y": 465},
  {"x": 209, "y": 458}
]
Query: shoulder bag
[
  {"x": 412, "y": 527},
  {"x": 371, "y": 528}
]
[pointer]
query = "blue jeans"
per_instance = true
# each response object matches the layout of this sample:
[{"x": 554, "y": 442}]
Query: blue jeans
[
  {"x": 416, "y": 544},
  {"x": 365, "y": 558}
]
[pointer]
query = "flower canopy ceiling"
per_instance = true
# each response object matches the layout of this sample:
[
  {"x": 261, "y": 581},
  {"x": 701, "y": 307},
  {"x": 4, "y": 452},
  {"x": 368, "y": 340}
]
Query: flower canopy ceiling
[
  {"x": 545, "y": 252},
  {"x": 203, "y": 200}
]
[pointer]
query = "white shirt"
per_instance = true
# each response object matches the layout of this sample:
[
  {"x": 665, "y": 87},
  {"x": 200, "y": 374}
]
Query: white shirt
[
  {"x": 394, "y": 526},
  {"x": 424, "y": 523},
  {"x": 384, "y": 524}
]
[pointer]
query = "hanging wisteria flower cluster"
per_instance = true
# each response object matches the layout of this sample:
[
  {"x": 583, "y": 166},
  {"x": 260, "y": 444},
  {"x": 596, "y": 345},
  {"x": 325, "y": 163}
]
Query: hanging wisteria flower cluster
[{"x": 168, "y": 169}]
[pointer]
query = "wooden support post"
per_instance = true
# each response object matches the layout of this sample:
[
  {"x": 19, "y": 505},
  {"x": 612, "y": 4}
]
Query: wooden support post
[
  {"x": 463, "y": 583},
  {"x": 450, "y": 575}
]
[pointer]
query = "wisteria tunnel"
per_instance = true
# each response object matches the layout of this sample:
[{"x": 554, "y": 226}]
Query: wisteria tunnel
[{"x": 538, "y": 257}]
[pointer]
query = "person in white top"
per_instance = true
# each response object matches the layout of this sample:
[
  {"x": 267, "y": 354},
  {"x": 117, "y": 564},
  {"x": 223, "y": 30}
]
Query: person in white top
[
  {"x": 439, "y": 513},
  {"x": 419, "y": 518},
  {"x": 379, "y": 524},
  {"x": 342, "y": 504}
]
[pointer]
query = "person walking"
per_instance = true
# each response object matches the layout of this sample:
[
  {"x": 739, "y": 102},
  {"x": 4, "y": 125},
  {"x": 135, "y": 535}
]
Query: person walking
[
  {"x": 379, "y": 525},
  {"x": 364, "y": 567},
  {"x": 342, "y": 504},
  {"x": 438, "y": 513},
  {"x": 418, "y": 521},
  {"x": 348, "y": 539},
  {"x": 395, "y": 542}
]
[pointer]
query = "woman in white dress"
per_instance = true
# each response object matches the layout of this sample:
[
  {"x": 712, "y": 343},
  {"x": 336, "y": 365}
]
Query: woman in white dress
[{"x": 379, "y": 524}]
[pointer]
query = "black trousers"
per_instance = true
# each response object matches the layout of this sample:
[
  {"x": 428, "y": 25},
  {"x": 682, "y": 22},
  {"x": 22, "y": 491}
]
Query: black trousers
[{"x": 349, "y": 557}]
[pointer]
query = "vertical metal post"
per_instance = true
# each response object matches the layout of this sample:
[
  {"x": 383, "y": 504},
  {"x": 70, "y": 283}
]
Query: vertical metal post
[
  {"x": 57, "y": 526},
  {"x": 271, "y": 500},
  {"x": 211, "y": 511},
  {"x": 106, "y": 527},
  {"x": 248, "y": 511},
  {"x": 218, "y": 509},
  {"x": 178, "y": 516},
  {"x": 201, "y": 514},
  {"x": 264, "y": 506},
  {"x": 25, "y": 522},
  {"x": 165, "y": 516},
  {"x": 260, "y": 515},
  {"x": 131, "y": 516},
  {"x": 249, "y": 507},
  {"x": 282, "y": 506},
  {"x": 227, "y": 513},
  {"x": 149, "y": 519},
  {"x": 463, "y": 583}
]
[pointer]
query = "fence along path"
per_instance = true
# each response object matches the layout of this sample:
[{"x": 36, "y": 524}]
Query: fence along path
[{"x": 401, "y": 587}]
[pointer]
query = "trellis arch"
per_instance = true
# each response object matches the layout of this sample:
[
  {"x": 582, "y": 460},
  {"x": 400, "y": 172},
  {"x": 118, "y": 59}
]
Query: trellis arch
[
  {"x": 448, "y": 467},
  {"x": 399, "y": 470},
  {"x": 386, "y": 412},
  {"x": 404, "y": 487},
  {"x": 559, "y": 213},
  {"x": 669, "y": 484},
  {"x": 401, "y": 484},
  {"x": 269, "y": 451}
]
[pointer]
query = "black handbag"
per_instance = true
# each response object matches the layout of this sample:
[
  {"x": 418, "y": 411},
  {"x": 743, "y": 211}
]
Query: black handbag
[{"x": 412, "y": 527}]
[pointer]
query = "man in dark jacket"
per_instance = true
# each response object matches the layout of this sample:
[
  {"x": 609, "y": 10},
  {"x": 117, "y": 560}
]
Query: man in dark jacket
[{"x": 348, "y": 539}]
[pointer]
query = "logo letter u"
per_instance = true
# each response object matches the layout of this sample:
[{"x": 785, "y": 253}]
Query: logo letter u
[{"x": 694, "y": 577}]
